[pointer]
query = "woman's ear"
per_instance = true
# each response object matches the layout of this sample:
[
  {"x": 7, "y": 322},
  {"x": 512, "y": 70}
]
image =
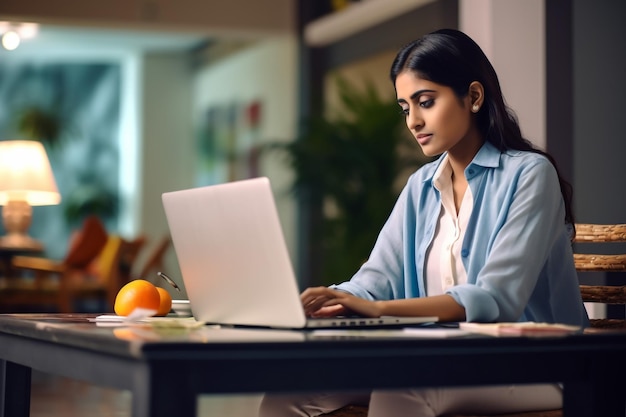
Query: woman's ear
[{"x": 476, "y": 95}]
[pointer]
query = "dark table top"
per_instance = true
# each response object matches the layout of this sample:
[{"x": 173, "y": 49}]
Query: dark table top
[{"x": 142, "y": 340}]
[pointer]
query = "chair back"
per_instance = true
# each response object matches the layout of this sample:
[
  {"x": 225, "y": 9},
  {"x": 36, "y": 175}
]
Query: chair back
[
  {"x": 86, "y": 243},
  {"x": 609, "y": 293},
  {"x": 106, "y": 264},
  {"x": 105, "y": 269}
]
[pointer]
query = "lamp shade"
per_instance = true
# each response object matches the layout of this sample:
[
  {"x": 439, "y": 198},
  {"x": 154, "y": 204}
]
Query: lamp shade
[{"x": 26, "y": 175}]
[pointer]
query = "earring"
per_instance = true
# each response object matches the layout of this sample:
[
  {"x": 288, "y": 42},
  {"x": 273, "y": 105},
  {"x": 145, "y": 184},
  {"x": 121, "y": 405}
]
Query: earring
[{"x": 475, "y": 108}]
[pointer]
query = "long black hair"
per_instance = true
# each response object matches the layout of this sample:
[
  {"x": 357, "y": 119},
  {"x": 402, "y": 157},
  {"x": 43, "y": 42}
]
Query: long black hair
[{"x": 451, "y": 58}]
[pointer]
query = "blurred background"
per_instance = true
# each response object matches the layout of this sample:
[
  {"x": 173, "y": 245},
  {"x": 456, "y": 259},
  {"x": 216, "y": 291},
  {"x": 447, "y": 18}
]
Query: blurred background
[{"x": 135, "y": 98}]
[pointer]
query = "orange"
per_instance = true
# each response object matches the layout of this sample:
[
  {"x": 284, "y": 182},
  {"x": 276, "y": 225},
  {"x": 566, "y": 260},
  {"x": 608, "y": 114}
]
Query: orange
[
  {"x": 166, "y": 302},
  {"x": 138, "y": 293}
]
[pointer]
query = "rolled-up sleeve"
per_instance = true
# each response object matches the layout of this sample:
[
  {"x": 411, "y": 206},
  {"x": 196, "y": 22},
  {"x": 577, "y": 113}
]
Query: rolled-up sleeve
[{"x": 524, "y": 227}]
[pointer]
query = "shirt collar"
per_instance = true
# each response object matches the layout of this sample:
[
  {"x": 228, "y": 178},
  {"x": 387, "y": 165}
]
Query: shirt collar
[
  {"x": 443, "y": 174},
  {"x": 488, "y": 156}
]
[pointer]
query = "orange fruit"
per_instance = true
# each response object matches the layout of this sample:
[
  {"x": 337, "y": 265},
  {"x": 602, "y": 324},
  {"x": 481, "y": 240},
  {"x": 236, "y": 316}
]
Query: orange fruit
[
  {"x": 138, "y": 293},
  {"x": 165, "y": 305}
]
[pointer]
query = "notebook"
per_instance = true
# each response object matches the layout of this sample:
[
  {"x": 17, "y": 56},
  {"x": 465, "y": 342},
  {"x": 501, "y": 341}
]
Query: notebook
[{"x": 234, "y": 260}]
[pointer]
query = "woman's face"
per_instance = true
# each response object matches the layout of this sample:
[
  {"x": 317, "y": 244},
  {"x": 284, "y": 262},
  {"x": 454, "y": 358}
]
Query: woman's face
[{"x": 435, "y": 115}]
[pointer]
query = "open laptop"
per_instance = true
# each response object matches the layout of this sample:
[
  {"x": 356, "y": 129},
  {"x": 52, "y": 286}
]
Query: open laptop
[{"x": 234, "y": 261}]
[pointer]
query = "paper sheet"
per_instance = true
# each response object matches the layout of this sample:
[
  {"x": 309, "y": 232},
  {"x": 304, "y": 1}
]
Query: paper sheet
[{"x": 520, "y": 329}]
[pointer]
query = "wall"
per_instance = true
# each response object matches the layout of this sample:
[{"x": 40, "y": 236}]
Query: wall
[
  {"x": 511, "y": 33},
  {"x": 599, "y": 42},
  {"x": 174, "y": 98},
  {"x": 266, "y": 73}
]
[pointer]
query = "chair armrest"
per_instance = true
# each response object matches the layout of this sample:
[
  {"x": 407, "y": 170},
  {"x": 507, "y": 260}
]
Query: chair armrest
[{"x": 38, "y": 264}]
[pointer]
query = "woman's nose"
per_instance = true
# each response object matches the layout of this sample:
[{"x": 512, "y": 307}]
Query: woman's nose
[{"x": 414, "y": 120}]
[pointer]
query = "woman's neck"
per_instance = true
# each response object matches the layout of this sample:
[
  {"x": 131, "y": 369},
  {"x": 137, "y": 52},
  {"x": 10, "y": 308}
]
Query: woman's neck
[{"x": 462, "y": 155}]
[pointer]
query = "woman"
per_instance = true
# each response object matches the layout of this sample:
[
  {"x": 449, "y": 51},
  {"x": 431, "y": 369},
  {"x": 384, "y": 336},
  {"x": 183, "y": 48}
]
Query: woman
[{"x": 482, "y": 234}]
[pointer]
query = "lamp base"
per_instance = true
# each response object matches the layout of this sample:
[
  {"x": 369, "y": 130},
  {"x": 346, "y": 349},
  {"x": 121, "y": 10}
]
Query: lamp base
[
  {"x": 17, "y": 216},
  {"x": 20, "y": 242}
]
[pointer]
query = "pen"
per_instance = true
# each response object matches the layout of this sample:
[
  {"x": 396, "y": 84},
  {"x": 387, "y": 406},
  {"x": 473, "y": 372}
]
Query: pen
[{"x": 169, "y": 280}]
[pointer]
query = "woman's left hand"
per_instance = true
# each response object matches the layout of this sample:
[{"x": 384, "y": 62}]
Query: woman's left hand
[{"x": 325, "y": 302}]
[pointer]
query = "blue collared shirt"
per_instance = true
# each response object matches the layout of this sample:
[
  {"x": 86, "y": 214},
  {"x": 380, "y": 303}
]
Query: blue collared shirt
[{"x": 516, "y": 251}]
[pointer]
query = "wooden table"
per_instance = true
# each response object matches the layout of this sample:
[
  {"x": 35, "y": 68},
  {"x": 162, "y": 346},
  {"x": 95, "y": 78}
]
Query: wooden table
[{"x": 167, "y": 369}]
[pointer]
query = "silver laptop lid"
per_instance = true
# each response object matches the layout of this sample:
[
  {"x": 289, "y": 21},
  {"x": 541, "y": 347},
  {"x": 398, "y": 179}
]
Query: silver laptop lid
[{"x": 232, "y": 254}]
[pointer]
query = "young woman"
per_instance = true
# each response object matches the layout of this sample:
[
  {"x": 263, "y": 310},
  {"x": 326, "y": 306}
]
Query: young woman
[{"x": 482, "y": 234}]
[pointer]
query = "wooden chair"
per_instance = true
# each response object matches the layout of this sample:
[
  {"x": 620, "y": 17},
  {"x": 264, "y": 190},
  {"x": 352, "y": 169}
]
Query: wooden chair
[
  {"x": 41, "y": 293},
  {"x": 601, "y": 293},
  {"x": 98, "y": 283},
  {"x": 71, "y": 290},
  {"x": 106, "y": 274},
  {"x": 88, "y": 279}
]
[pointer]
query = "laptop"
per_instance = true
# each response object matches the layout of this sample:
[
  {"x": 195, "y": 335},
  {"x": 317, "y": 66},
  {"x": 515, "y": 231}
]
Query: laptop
[{"x": 234, "y": 260}]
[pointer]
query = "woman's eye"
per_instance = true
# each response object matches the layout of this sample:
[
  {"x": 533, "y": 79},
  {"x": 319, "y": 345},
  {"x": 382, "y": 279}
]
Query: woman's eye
[
  {"x": 404, "y": 112},
  {"x": 427, "y": 103}
]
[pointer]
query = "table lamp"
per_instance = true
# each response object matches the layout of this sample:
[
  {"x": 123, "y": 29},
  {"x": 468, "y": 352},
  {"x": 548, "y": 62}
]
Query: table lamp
[{"x": 26, "y": 180}]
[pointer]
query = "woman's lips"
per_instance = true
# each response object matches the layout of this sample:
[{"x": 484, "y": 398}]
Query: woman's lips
[{"x": 423, "y": 139}]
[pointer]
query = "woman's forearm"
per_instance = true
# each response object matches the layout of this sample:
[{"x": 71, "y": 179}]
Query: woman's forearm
[{"x": 442, "y": 306}]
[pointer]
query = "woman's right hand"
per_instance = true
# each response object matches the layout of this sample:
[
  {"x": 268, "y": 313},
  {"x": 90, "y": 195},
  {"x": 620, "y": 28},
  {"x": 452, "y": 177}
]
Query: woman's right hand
[{"x": 326, "y": 302}]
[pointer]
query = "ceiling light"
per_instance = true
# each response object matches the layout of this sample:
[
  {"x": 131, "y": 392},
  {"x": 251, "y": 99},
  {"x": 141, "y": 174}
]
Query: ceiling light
[
  {"x": 10, "y": 40},
  {"x": 13, "y": 33}
]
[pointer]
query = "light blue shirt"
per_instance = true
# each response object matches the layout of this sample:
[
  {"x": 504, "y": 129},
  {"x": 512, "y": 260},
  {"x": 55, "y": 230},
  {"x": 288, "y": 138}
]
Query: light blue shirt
[{"x": 516, "y": 251}]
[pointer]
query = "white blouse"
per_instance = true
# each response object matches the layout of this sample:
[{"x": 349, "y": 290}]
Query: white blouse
[{"x": 444, "y": 266}]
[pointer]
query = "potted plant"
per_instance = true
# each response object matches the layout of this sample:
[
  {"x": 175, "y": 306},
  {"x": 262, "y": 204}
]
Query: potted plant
[{"x": 37, "y": 123}]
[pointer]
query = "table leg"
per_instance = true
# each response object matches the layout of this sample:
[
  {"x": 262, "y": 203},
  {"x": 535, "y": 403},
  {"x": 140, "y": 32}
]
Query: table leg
[
  {"x": 601, "y": 394},
  {"x": 162, "y": 394},
  {"x": 15, "y": 381}
]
